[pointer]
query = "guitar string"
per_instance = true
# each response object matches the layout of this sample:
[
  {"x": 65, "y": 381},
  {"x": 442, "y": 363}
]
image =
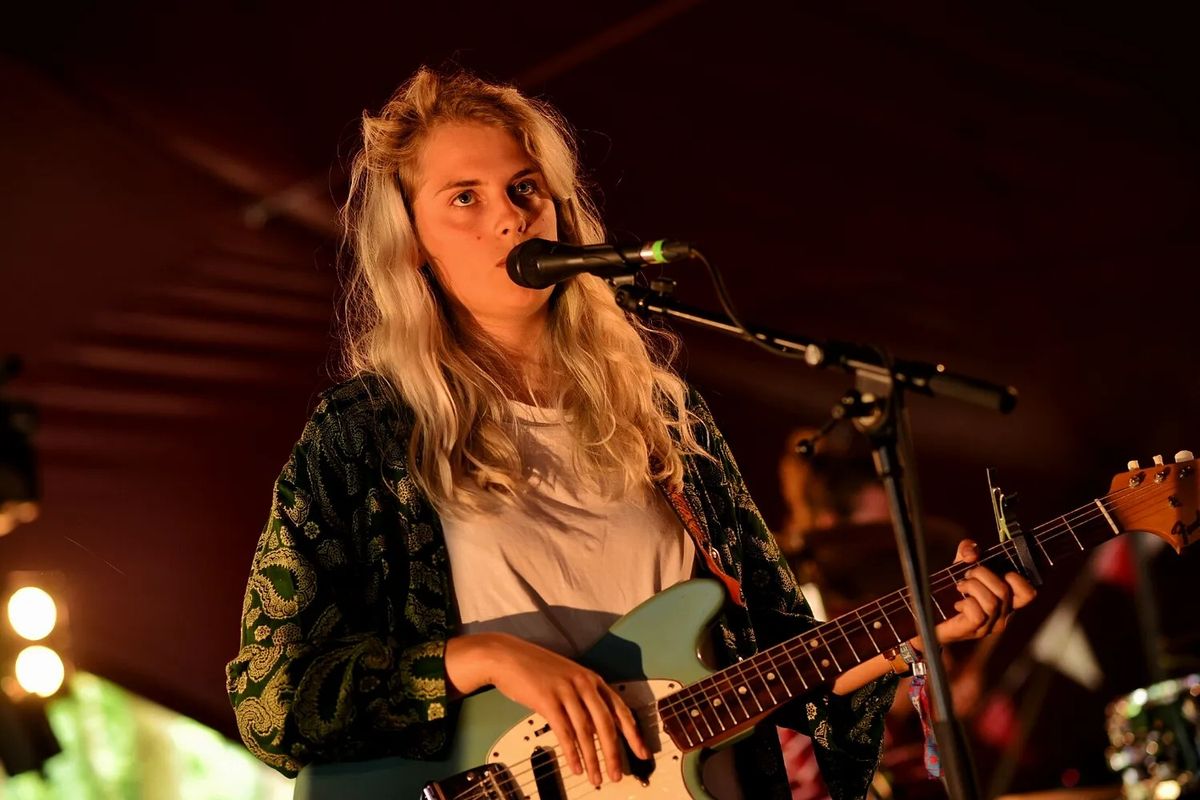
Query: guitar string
[
  {"x": 1005, "y": 548},
  {"x": 1056, "y": 528},
  {"x": 562, "y": 766},
  {"x": 1055, "y": 525},
  {"x": 940, "y": 581}
]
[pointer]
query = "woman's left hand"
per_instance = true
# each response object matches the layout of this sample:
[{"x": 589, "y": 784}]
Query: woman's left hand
[{"x": 987, "y": 600}]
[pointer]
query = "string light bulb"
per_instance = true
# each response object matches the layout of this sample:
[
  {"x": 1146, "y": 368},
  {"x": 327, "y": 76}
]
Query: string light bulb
[
  {"x": 40, "y": 671},
  {"x": 32, "y": 613}
]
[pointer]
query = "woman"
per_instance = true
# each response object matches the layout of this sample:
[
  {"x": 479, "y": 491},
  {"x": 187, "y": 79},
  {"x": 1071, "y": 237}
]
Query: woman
[{"x": 506, "y": 472}]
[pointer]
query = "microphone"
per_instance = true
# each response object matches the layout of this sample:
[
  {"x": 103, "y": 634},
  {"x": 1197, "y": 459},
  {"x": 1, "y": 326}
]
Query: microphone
[{"x": 539, "y": 263}]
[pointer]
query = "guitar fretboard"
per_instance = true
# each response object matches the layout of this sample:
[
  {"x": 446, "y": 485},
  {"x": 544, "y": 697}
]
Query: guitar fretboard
[{"x": 727, "y": 701}]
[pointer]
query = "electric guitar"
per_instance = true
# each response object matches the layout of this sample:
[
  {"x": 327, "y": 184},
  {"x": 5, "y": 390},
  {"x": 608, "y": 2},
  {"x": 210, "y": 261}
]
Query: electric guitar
[{"x": 685, "y": 710}]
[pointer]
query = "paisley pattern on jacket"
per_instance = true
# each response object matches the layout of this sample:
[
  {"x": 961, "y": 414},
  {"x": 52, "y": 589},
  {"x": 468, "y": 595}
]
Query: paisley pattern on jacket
[{"x": 349, "y": 606}]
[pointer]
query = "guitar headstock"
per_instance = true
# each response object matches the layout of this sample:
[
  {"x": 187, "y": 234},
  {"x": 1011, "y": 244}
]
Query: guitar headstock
[{"x": 1161, "y": 499}]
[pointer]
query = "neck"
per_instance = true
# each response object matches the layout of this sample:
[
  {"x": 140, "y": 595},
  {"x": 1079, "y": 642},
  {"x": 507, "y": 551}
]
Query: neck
[
  {"x": 514, "y": 347},
  {"x": 521, "y": 336}
]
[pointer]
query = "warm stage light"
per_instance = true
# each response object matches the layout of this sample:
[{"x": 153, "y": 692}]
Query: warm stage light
[
  {"x": 32, "y": 613},
  {"x": 1167, "y": 790},
  {"x": 40, "y": 671}
]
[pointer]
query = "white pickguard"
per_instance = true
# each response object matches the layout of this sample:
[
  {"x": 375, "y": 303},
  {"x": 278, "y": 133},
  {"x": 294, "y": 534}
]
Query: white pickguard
[{"x": 517, "y": 745}]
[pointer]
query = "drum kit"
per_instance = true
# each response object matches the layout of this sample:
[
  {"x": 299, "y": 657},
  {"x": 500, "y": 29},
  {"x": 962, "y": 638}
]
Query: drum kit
[{"x": 1154, "y": 740}]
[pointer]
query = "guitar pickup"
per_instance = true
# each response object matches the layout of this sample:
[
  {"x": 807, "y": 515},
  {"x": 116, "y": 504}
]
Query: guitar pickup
[{"x": 488, "y": 782}]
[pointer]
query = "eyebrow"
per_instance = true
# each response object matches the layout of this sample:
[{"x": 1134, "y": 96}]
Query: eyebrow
[{"x": 468, "y": 183}]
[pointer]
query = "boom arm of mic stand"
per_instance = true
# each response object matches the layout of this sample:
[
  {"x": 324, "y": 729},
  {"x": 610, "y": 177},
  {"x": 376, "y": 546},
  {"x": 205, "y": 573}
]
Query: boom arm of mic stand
[{"x": 914, "y": 376}]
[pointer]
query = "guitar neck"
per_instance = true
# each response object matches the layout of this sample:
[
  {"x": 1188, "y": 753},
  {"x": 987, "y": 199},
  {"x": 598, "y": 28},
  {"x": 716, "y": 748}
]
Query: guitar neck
[{"x": 734, "y": 698}]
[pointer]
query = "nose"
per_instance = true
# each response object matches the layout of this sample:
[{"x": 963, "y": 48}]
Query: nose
[{"x": 511, "y": 219}]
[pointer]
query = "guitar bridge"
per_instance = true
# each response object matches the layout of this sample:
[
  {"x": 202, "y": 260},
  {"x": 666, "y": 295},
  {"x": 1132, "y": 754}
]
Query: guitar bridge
[{"x": 488, "y": 782}]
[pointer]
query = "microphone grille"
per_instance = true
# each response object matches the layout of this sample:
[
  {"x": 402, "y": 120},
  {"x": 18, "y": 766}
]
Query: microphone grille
[{"x": 522, "y": 263}]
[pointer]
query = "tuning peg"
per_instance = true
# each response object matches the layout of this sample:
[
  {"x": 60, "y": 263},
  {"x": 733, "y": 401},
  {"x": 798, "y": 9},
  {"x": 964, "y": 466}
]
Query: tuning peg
[
  {"x": 1183, "y": 455},
  {"x": 1132, "y": 465},
  {"x": 1158, "y": 461}
]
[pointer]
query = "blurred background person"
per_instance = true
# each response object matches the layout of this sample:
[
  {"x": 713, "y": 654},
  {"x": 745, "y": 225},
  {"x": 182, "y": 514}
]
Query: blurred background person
[{"x": 837, "y": 535}]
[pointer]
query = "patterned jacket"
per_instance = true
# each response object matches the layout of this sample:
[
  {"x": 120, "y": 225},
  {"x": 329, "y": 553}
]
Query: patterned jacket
[{"x": 349, "y": 606}]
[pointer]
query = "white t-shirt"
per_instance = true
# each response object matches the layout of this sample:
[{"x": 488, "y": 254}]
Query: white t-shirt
[{"x": 559, "y": 568}]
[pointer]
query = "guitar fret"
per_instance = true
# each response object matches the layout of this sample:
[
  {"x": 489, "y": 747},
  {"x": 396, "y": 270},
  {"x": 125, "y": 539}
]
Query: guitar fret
[
  {"x": 794, "y": 663},
  {"x": 800, "y": 675},
  {"x": 887, "y": 619},
  {"x": 849, "y": 643},
  {"x": 778, "y": 673},
  {"x": 739, "y": 690},
  {"x": 676, "y": 713},
  {"x": 809, "y": 646},
  {"x": 699, "y": 733},
  {"x": 697, "y": 713},
  {"x": 708, "y": 706},
  {"x": 754, "y": 696},
  {"x": 781, "y": 657},
  {"x": 719, "y": 702},
  {"x": 1071, "y": 531},
  {"x": 766, "y": 683},
  {"x": 936, "y": 605},
  {"x": 829, "y": 651},
  {"x": 863, "y": 622},
  {"x": 1044, "y": 553}
]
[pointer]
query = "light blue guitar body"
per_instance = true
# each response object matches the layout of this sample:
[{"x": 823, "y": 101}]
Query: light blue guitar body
[{"x": 658, "y": 642}]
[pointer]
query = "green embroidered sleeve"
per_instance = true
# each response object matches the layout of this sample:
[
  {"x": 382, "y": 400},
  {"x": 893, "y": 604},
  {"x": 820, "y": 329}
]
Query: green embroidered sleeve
[
  {"x": 847, "y": 730},
  {"x": 330, "y": 667}
]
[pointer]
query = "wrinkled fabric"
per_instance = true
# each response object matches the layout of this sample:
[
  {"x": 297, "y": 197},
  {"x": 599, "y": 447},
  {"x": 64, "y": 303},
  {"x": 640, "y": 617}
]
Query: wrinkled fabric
[{"x": 349, "y": 606}]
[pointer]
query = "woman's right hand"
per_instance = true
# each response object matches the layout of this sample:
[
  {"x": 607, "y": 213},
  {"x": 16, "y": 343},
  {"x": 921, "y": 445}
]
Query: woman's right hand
[{"x": 574, "y": 700}]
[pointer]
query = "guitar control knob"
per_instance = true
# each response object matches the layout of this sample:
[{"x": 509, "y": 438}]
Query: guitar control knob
[
  {"x": 1183, "y": 455},
  {"x": 1132, "y": 465},
  {"x": 1158, "y": 461}
]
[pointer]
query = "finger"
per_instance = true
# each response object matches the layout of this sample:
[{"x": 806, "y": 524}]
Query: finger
[
  {"x": 995, "y": 584},
  {"x": 628, "y": 723},
  {"x": 988, "y": 602},
  {"x": 1022, "y": 589},
  {"x": 565, "y": 733},
  {"x": 968, "y": 552},
  {"x": 605, "y": 726},
  {"x": 581, "y": 721},
  {"x": 974, "y": 616}
]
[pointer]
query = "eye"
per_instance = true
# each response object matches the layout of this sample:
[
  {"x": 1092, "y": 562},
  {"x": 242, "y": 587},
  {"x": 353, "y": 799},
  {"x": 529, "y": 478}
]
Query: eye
[
  {"x": 463, "y": 199},
  {"x": 525, "y": 187}
]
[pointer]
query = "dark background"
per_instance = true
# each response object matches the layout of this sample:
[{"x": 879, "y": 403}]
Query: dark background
[{"x": 1013, "y": 191}]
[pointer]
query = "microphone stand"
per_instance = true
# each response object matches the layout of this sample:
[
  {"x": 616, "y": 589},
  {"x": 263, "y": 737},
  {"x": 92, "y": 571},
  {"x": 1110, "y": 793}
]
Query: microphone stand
[{"x": 876, "y": 407}]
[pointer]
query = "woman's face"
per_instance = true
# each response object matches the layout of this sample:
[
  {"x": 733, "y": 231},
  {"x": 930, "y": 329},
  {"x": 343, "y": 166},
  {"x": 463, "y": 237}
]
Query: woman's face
[{"x": 478, "y": 195}]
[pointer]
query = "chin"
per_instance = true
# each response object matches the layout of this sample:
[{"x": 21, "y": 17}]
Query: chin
[{"x": 523, "y": 300}]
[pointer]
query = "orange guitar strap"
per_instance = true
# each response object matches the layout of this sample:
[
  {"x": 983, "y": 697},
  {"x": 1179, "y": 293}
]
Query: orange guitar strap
[{"x": 704, "y": 546}]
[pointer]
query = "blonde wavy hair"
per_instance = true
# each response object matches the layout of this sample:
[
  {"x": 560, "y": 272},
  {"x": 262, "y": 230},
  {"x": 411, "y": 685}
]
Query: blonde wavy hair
[{"x": 608, "y": 374}]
